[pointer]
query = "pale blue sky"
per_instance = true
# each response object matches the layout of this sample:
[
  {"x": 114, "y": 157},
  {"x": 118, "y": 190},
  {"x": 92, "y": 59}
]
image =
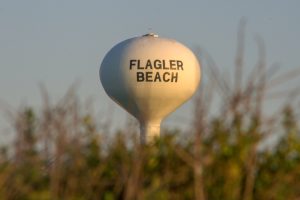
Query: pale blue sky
[{"x": 60, "y": 41}]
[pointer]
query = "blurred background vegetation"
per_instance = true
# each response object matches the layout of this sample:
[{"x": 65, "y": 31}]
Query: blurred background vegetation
[{"x": 235, "y": 149}]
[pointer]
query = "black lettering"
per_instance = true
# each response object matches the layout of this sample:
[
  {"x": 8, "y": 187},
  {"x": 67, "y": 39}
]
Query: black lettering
[
  {"x": 149, "y": 77},
  {"x": 139, "y": 64},
  {"x": 157, "y": 77},
  {"x": 132, "y": 63},
  {"x": 140, "y": 77},
  {"x": 157, "y": 64},
  {"x": 148, "y": 64},
  {"x": 165, "y": 75},
  {"x": 174, "y": 77},
  {"x": 179, "y": 65},
  {"x": 165, "y": 66},
  {"x": 173, "y": 64}
]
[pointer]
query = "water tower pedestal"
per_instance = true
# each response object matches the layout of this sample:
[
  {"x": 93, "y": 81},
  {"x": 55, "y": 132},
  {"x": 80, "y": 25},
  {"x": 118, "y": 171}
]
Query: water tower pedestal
[{"x": 149, "y": 131}]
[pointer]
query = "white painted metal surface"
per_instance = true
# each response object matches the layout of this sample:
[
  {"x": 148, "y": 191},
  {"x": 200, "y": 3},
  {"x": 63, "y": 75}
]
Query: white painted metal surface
[{"x": 150, "y": 77}]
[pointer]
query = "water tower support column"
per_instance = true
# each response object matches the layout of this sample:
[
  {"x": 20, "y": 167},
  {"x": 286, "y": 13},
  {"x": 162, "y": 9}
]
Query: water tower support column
[{"x": 149, "y": 131}]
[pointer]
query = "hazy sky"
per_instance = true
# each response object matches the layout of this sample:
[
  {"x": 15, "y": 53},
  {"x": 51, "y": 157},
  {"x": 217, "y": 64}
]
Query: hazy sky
[{"x": 59, "y": 42}]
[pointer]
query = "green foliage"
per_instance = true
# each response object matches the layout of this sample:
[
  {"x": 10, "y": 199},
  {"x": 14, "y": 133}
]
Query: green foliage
[{"x": 85, "y": 165}]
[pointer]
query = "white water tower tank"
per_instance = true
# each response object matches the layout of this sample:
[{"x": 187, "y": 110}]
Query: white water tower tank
[{"x": 150, "y": 77}]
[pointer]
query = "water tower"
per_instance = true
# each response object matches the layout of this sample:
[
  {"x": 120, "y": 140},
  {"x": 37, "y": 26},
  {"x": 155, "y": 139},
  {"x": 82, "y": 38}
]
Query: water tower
[{"x": 150, "y": 77}]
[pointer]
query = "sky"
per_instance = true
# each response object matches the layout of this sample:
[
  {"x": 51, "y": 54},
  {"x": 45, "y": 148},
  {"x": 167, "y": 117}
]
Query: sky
[{"x": 60, "y": 42}]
